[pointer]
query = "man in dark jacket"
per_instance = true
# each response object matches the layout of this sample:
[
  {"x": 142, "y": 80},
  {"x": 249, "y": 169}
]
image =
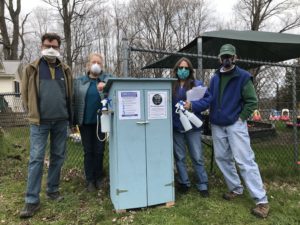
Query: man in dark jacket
[
  {"x": 46, "y": 94},
  {"x": 233, "y": 101}
]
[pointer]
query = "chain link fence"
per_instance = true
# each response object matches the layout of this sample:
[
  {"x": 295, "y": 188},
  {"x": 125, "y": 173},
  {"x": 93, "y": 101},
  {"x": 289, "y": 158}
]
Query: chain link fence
[
  {"x": 273, "y": 128},
  {"x": 14, "y": 136}
]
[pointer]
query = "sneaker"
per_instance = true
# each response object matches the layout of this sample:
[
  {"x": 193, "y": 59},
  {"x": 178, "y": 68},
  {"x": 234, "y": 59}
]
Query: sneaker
[
  {"x": 55, "y": 196},
  {"x": 90, "y": 187},
  {"x": 29, "y": 210},
  {"x": 98, "y": 184},
  {"x": 204, "y": 193},
  {"x": 230, "y": 195},
  {"x": 261, "y": 210}
]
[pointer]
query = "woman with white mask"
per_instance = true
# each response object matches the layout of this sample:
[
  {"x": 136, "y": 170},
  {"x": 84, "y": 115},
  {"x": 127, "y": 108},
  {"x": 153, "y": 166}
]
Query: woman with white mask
[{"x": 87, "y": 101}]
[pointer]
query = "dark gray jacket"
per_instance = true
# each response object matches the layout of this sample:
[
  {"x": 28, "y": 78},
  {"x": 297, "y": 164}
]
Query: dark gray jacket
[{"x": 81, "y": 85}]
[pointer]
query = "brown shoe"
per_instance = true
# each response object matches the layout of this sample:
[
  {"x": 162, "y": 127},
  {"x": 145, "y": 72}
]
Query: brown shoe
[
  {"x": 261, "y": 210},
  {"x": 230, "y": 195},
  {"x": 29, "y": 210},
  {"x": 55, "y": 196}
]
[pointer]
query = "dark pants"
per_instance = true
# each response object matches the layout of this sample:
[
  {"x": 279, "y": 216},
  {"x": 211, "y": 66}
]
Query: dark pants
[{"x": 93, "y": 152}]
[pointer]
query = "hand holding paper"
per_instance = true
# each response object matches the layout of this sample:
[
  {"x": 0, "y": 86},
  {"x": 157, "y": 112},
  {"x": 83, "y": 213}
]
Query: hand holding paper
[{"x": 195, "y": 93}]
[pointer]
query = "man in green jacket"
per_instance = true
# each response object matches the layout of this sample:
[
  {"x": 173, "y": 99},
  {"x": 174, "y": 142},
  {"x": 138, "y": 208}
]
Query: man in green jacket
[
  {"x": 46, "y": 94},
  {"x": 233, "y": 101}
]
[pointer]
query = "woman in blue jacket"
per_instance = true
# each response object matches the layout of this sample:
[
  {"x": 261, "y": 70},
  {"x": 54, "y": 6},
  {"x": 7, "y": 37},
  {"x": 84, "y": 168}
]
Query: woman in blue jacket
[
  {"x": 184, "y": 72},
  {"x": 87, "y": 102}
]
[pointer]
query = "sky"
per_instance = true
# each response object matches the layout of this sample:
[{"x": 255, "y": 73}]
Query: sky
[
  {"x": 222, "y": 7},
  {"x": 26, "y": 8}
]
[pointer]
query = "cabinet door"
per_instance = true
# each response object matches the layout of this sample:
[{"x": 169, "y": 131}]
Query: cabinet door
[
  {"x": 130, "y": 139},
  {"x": 159, "y": 150}
]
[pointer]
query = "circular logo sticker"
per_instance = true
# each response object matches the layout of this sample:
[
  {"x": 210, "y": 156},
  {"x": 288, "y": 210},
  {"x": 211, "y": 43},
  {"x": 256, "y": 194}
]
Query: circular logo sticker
[{"x": 157, "y": 99}]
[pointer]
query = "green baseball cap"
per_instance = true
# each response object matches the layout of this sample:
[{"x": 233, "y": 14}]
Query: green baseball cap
[{"x": 227, "y": 49}]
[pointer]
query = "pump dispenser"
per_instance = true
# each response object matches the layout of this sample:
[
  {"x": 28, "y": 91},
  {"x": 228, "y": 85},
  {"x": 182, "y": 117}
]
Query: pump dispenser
[
  {"x": 186, "y": 117},
  {"x": 193, "y": 118},
  {"x": 105, "y": 117},
  {"x": 184, "y": 121}
]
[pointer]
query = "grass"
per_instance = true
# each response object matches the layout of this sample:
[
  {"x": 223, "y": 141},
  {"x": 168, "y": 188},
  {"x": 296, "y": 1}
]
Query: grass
[{"x": 80, "y": 207}]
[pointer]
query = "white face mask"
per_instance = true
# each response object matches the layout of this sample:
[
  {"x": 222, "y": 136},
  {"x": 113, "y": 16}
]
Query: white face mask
[
  {"x": 50, "y": 53},
  {"x": 95, "y": 68}
]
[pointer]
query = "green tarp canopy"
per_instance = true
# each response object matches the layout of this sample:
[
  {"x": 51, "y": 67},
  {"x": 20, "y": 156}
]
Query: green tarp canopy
[{"x": 252, "y": 45}]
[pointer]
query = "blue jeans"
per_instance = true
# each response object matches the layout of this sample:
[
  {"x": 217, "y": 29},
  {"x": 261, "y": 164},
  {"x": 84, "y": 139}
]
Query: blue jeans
[
  {"x": 232, "y": 144},
  {"x": 38, "y": 142},
  {"x": 93, "y": 152},
  {"x": 193, "y": 141}
]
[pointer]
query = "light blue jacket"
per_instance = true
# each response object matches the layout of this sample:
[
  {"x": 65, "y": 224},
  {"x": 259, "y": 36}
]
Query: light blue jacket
[{"x": 81, "y": 85}]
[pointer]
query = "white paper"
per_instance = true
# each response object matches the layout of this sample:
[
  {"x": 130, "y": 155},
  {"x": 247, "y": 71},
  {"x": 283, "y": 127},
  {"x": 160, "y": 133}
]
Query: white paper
[
  {"x": 157, "y": 105},
  {"x": 129, "y": 105},
  {"x": 195, "y": 93}
]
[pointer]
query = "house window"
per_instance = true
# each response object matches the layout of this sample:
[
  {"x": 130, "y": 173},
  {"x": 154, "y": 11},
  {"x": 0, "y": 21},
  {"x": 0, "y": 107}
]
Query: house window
[{"x": 17, "y": 87}]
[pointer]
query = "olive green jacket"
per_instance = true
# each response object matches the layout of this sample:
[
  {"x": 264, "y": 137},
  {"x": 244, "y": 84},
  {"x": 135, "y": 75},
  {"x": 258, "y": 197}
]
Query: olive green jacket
[{"x": 30, "y": 90}]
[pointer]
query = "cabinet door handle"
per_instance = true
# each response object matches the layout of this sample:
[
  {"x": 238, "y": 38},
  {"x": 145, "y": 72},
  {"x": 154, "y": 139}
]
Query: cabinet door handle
[
  {"x": 170, "y": 184},
  {"x": 143, "y": 122},
  {"x": 119, "y": 191}
]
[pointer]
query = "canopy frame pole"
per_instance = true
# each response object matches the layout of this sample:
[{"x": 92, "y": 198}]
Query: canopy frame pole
[
  {"x": 295, "y": 113},
  {"x": 199, "y": 71},
  {"x": 125, "y": 51}
]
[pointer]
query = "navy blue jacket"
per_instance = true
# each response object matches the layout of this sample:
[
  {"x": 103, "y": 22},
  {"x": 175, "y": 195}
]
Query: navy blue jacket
[
  {"x": 226, "y": 111},
  {"x": 197, "y": 106}
]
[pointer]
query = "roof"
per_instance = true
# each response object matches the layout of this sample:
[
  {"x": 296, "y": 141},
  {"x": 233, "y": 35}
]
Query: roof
[
  {"x": 9, "y": 68},
  {"x": 111, "y": 80},
  {"x": 252, "y": 45}
]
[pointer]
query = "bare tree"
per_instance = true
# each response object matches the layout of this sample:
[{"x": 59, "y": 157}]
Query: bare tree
[
  {"x": 120, "y": 22},
  {"x": 11, "y": 42},
  {"x": 22, "y": 35},
  {"x": 98, "y": 25},
  {"x": 69, "y": 11},
  {"x": 260, "y": 15},
  {"x": 192, "y": 17},
  {"x": 42, "y": 21},
  {"x": 167, "y": 25},
  {"x": 256, "y": 13}
]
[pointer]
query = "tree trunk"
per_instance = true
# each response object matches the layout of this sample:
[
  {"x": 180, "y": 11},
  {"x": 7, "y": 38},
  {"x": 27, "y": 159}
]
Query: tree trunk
[
  {"x": 10, "y": 49},
  {"x": 4, "y": 33},
  {"x": 67, "y": 16}
]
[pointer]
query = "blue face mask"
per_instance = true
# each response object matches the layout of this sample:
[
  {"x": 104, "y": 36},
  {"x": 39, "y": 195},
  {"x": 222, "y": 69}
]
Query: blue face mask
[{"x": 183, "y": 73}]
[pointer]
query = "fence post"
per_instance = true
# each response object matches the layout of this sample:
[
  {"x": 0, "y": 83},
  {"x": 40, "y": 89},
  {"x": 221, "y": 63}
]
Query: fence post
[
  {"x": 125, "y": 58},
  {"x": 199, "y": 74},
  {"x": 1, "y": 140},
  {"x": 295, "y": 113}
]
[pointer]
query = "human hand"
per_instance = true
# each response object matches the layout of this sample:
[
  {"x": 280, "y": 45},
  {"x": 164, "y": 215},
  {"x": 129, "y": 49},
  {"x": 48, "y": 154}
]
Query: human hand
[
  {"x": 187, "y": 105},
  {"x": 100, "y": 86},
  {"x": 74, "y": 129}
]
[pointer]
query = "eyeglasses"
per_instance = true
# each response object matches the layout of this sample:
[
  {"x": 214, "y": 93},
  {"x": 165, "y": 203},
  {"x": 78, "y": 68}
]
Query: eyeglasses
[
  {"x": 51, "y": 46},
  {"x": 183, "y": 67}
]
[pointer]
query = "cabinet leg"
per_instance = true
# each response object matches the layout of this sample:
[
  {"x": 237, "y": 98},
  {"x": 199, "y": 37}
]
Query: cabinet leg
[
  {"x": 169, "y": 204},
  {"x": 120, "y": 211}
]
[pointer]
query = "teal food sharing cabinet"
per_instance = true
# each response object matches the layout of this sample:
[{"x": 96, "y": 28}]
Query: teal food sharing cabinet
[{"x": 140, "y": 142}]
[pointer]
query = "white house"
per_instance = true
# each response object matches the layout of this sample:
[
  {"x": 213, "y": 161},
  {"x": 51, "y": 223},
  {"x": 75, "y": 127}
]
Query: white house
[
  {"x": 9, "y": 76},
  {"x": 9, "y": 85}
]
